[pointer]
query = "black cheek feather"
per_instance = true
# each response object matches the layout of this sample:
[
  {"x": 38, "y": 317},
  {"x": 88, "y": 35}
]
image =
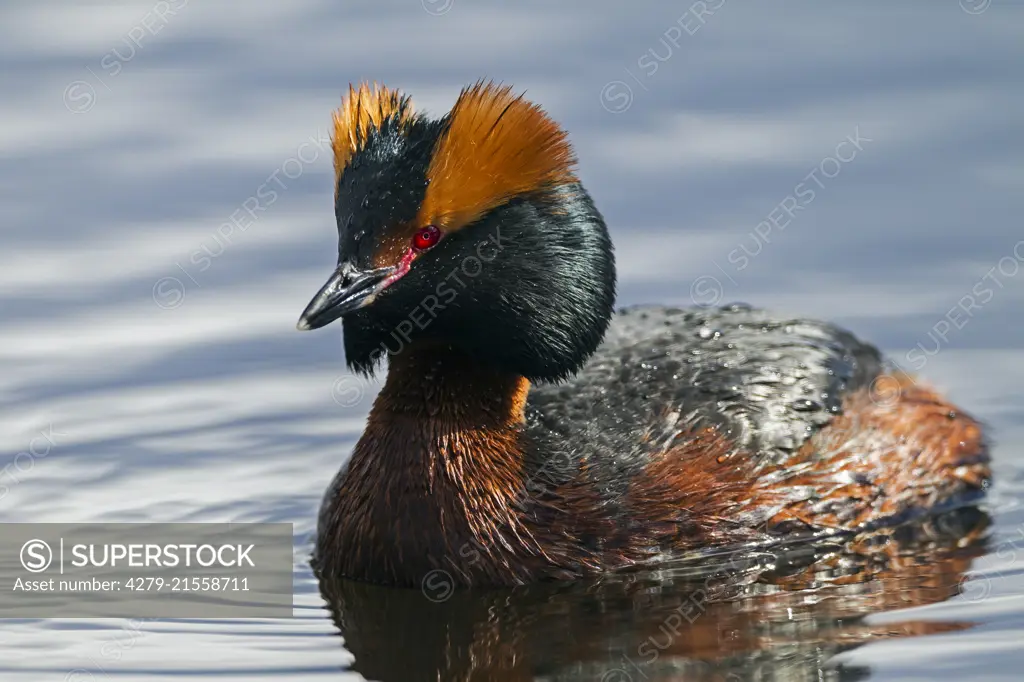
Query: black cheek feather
[
  {"x": 529, "y": 289},
  {"x": 553, "y": 287}
]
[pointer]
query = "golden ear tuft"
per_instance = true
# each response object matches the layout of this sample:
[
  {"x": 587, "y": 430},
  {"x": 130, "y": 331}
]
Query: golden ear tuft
[
  {"x": 361, "y": 111},
  {"x": 496, "y": 146}
]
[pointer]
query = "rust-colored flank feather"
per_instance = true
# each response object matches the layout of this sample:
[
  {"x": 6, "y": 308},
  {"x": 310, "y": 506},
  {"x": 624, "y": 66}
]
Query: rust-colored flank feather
[
  {"x": 361, "y": 111},
  {"x": 497, "y": 146},
  {"x": 876, "y": 461}
]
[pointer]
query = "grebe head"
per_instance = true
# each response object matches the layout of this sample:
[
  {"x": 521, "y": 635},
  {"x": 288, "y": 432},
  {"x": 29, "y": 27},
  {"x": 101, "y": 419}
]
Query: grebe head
[{"x": 470, "y": 231}]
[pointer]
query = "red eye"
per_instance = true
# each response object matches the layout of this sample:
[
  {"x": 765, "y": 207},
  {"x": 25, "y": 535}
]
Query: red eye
[{"x": 426, "y": 238}]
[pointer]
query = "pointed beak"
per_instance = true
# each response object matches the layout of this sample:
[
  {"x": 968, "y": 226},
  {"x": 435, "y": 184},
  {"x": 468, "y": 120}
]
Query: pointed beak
[{"x": 348, "y": 289}]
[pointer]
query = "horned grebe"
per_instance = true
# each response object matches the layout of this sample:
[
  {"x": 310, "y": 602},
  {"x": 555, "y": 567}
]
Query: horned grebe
[{"x": 527, "y": 431}]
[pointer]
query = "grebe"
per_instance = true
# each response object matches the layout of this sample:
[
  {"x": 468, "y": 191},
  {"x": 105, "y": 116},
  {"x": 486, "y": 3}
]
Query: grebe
[{"x": 526, "y": 431}]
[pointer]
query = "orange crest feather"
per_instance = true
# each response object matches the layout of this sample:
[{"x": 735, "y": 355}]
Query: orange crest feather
[
  {"x": 496, "y": 146},
  {"x": 361, "y": 111}
]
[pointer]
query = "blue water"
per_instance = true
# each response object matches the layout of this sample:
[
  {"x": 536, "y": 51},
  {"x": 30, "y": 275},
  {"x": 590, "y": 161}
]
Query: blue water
[{"x": 166, "y": 212}]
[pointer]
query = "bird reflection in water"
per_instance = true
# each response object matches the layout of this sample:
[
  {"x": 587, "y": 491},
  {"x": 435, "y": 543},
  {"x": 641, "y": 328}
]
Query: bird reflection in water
[{"x": 750, "y": 615}]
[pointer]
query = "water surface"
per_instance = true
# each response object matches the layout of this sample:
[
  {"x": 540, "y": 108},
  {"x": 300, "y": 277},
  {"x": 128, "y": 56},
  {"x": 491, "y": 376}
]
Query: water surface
[{"x": 148, "y": 315}]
